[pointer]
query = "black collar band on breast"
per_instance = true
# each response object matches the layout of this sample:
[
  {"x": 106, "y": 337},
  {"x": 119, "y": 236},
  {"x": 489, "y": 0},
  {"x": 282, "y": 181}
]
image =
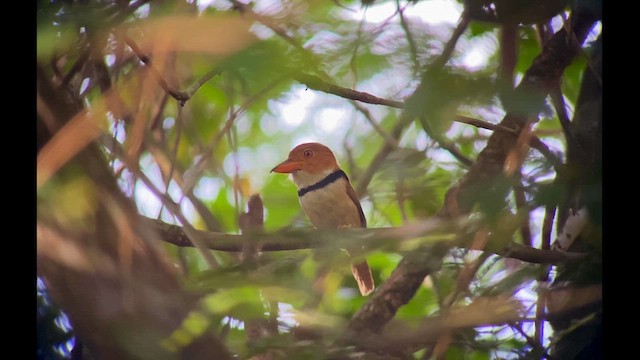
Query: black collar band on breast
[{"x": 324, "y": 182}]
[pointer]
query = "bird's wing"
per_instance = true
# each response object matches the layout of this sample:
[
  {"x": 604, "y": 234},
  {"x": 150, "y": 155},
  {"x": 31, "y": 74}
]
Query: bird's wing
[{"x": 354, "y": 197}]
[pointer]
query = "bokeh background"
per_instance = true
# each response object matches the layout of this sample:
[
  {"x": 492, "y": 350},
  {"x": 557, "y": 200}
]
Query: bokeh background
[{"x": 189, "y": 104}]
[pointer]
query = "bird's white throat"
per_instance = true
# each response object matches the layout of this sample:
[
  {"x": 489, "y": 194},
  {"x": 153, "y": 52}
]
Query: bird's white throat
[{"x": 302, "y": 179}]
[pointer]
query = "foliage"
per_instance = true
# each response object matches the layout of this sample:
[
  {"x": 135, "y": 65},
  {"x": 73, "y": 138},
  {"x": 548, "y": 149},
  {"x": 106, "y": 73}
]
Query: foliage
[{"x": 199, "y": 100}]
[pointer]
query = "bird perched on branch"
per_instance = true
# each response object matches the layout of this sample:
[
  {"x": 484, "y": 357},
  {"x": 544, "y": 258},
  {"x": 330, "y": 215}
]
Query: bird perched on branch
[{"x": 327, "y": 197}]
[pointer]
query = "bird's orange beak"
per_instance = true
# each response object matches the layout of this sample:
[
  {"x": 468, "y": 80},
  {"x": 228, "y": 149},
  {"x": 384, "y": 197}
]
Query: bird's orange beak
[{"x": 287, "y": 166}]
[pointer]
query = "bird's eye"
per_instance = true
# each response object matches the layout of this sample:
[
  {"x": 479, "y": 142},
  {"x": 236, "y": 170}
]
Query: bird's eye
[{"x": 308, "y": 153}]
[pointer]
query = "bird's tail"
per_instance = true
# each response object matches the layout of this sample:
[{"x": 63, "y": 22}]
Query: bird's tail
[{"x": 362, "y": 274}]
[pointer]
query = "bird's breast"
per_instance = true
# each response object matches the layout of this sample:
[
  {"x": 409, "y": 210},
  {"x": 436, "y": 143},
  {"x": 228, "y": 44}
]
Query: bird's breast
[{"x": 331, "y": 207}]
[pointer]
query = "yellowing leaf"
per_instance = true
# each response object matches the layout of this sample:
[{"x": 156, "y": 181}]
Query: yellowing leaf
[{"x": 218, "y": 35}]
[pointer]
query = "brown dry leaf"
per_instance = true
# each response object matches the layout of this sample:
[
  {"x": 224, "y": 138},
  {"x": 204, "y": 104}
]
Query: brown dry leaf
[
  {"x": 65, "y": 144},
  {"x": 213, "y": 34},
  {"x": 517, "y": 154},
  {"x": 75, "y": 135}
]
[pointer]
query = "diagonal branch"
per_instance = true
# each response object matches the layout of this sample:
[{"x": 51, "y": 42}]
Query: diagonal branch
[
  {"x": 181, "y": 96},
  {"x": 189, "y": 230},
  {"x": 367, "y": 115},
  {"x": 534, "y": 140},
  {"x": 315, "y": 83}
]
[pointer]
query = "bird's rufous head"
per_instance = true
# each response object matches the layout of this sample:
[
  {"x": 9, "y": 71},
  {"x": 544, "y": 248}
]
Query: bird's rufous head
[{"x": 308, "y": 157}]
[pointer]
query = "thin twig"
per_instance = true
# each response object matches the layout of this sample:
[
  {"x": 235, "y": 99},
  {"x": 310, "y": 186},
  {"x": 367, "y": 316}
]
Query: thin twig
[
  {"x": 557, "y": 98},
  {"x": 146, "y": 59},
  {"x": 367, "y": 115},
  {"x": 181, "y": 96},
  {"x": 116, "y": 18},
  {"x": 248, "y": 11},
  {"x": 213, "y": 144},
  {"x": 237, "y": 194},
  {"x": 243, "y": 108},
  {"x": 266, "y": 21},
  {"x": 446, "y": 145},
  {"x": 191, "y": 233},
  {"x": 156, "y": 121},
  {"x": 364, "y": 179},
  {"x": 191, "y": 90},
  {"x": 162, "y": 158},
  {"x": 547, "y": 225},
  {"x": 356, "y": 46},
  {"x": 412, "y": 44},
  {"x": 453, "y": 150},
  {"x": 468, "y": 271},
  {"x": 174, "y": 159},
  {"x": 540, "y": 305},
  {"x": 400, "y": 198},
  {"x": 534, "y": 141},
  {"x": 531, "y": 341},
  {"x": 383, "y": 25},
  {"x": 451, "y": 44},
  {"x": 521, "y": 203}
]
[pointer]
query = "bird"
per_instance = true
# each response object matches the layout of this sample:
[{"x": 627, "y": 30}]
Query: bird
[{"x": 327, "y": 197}]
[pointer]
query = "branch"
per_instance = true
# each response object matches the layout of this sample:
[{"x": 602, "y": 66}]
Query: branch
[
  {"x": 521, "y": 203},
  {"x": 539, "y": 79},
  {"x": 393, "y": 293},
  {"x": 314, "y": 82},
  {"x": 446, "y": 145},
  {"x": 534, "y": 141},
  {"x": 246, "y": 10},
  {"x": 302, "y": 238},
  {"x": 451, "y": 44},
  {"x": 368, "y": 238},
  {"x": 367, "y": 115},
  {"x": 181, "y": 96}
]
